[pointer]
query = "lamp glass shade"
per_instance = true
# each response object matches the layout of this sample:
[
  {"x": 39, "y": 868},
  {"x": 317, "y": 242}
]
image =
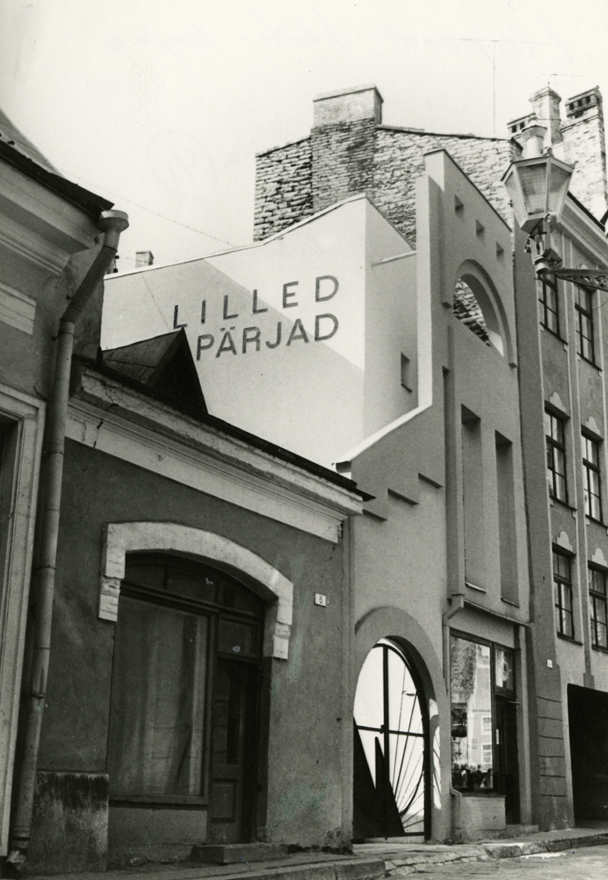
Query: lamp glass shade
[{"x": 537, "y": 187}]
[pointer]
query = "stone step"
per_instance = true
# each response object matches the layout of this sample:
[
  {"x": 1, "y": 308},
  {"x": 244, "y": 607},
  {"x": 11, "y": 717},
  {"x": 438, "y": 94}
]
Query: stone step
[
  {"x": 518, "y": 830},
  {"x": 310, "y": 867},
  {"x": 235, "y": 853}
]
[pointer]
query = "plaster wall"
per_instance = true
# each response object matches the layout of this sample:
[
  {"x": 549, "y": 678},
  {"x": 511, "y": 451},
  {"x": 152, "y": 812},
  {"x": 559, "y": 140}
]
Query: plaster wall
[
  {"x": 304, "y": 776},
  {"x": 345, "y": 318},
  {"x": 409, "y": 550}
]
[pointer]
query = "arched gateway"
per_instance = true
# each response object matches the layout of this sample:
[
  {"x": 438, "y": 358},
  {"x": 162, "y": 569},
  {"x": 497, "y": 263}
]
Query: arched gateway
[{"x": 391, "y": 754}]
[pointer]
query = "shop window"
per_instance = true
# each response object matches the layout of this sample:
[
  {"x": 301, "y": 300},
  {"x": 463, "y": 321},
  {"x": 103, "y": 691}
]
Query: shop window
[
  {"x": 592, "y": 484},
  {"x": 598, "y": 607},
  {"x": 555, "y": 439},
  {"x": 482, "y": 683},
  {"x": 562, "y": 587},
  {"x": 549, "y": 304},
  {"x": 583, "y": 305},
  {"x": 184, "y": 704}
]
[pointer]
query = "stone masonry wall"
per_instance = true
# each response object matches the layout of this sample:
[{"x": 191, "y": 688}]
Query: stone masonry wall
[
  {"x": 338, "y": 161},
  {"x": 400, "y": 160},
  {"x": 342, "y": 161},
  {"x": 584, "y": 147},
  {"x": 283, "y": 188}
]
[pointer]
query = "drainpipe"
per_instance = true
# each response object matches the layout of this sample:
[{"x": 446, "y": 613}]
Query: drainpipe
[{"x": 112, "y": 223}]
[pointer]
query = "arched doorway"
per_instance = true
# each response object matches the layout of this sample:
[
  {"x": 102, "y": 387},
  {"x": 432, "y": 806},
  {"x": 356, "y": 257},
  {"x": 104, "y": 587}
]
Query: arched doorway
[
  {"x": 391, "y": 755},
  {"x": 184, "y": 712}
]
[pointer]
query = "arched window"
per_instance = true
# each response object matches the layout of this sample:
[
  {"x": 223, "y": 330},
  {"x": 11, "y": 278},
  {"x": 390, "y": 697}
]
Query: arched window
[
  {"x": 474, "y": 305},
  {"x": 391, "y": 787},
  {"x": 468, "y": 310}
]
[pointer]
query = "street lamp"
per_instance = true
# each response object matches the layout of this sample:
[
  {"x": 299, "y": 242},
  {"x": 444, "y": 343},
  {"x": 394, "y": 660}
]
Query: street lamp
[{"x": 537, "y": 187}]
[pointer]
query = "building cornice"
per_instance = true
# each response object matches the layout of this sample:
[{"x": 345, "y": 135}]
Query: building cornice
[
  {"x": 118, "y": 421},
  {"x": 38, "y": 224}
]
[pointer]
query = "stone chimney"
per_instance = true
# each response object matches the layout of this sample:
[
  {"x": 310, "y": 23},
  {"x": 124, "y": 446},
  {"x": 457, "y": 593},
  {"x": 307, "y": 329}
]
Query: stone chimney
[
  {"x": 585, "y": 147},
  {"x": 143, "y": 258},
  {"x": 545, "y": 106},
  {"x": 342, "y": 140}
]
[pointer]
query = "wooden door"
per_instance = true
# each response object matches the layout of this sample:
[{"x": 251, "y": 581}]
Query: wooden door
[
  {"x": 233, "y": 751},
  {"x": 507, "y": 765}
]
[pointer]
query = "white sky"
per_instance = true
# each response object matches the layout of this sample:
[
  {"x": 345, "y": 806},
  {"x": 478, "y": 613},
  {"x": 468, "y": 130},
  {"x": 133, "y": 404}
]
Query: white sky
[{"x": 162, "y": 104}]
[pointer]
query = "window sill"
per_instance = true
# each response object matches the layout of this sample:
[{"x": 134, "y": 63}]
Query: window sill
[
  {"x": 561, "y": 503},
  {"x": 592, "y": 519},
  {"x": 587, "y": 361},
  {"x": 565, "y": 638},
  {"x": 553, "y": 333},
  {"x": 151, "y": 799},
  {"x": 600, "y": 649},
  {"x": 475, "y": 587}
]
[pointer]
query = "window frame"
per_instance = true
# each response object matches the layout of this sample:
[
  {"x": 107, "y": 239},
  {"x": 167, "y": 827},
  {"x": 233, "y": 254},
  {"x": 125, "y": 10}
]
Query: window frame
[
  {"x": 549, "y": 290},
  {"x": 554, "y": 448},
  {"x": 563, "y": 594},
  {"x": 216, "y": 609},
  {"x": 585, "y": 325},
  {"x": 592, "y": 473},
  {"x": 496, "y": 690},
  {"x": 598, "y": 598}
]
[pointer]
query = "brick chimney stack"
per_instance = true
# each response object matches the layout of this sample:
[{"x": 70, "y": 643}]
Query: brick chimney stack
[
  {"x": 585, "y": 147},
  {"x": 343, "y": 142}
]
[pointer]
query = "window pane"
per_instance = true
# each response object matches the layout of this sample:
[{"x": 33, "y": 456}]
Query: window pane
[
  {"x": 158, "y": 700},
  {"x": 504, "y": 668},
  {"x": 471, "y": 693},
  {"x": 556, "y": 457},
  {"x": 563, "y": 595}
]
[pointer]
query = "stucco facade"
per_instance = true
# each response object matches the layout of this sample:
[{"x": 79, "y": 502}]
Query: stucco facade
[
  {"x": 48, "y": 234},
  {"x": 404, "y": 396},
  {"x": 143, "y": 479}
]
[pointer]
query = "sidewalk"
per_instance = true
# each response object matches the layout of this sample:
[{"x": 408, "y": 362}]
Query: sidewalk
[
  {"x": 370, "y": 861},
  {"x": 407, "y": 858}
]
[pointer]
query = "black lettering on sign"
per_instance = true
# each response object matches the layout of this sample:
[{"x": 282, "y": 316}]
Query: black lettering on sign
[
  {"x": 278, "y": 342},
  {"x": 251, "y": 334},
  {"x": 203, "y": 311},
  {"x": 257, "y": 311},
  {"x": 328, "y": 293},
  {"x": 227, "y": 344},
  {"x": 177, "y": 326},
  {"x": 297, "y": 332},
  {"x": 288, "y": 294},
  {"x": 203, "y": 343},
  {"x": 227, "y": 317},
  {"x": 329, "y": 332}
]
